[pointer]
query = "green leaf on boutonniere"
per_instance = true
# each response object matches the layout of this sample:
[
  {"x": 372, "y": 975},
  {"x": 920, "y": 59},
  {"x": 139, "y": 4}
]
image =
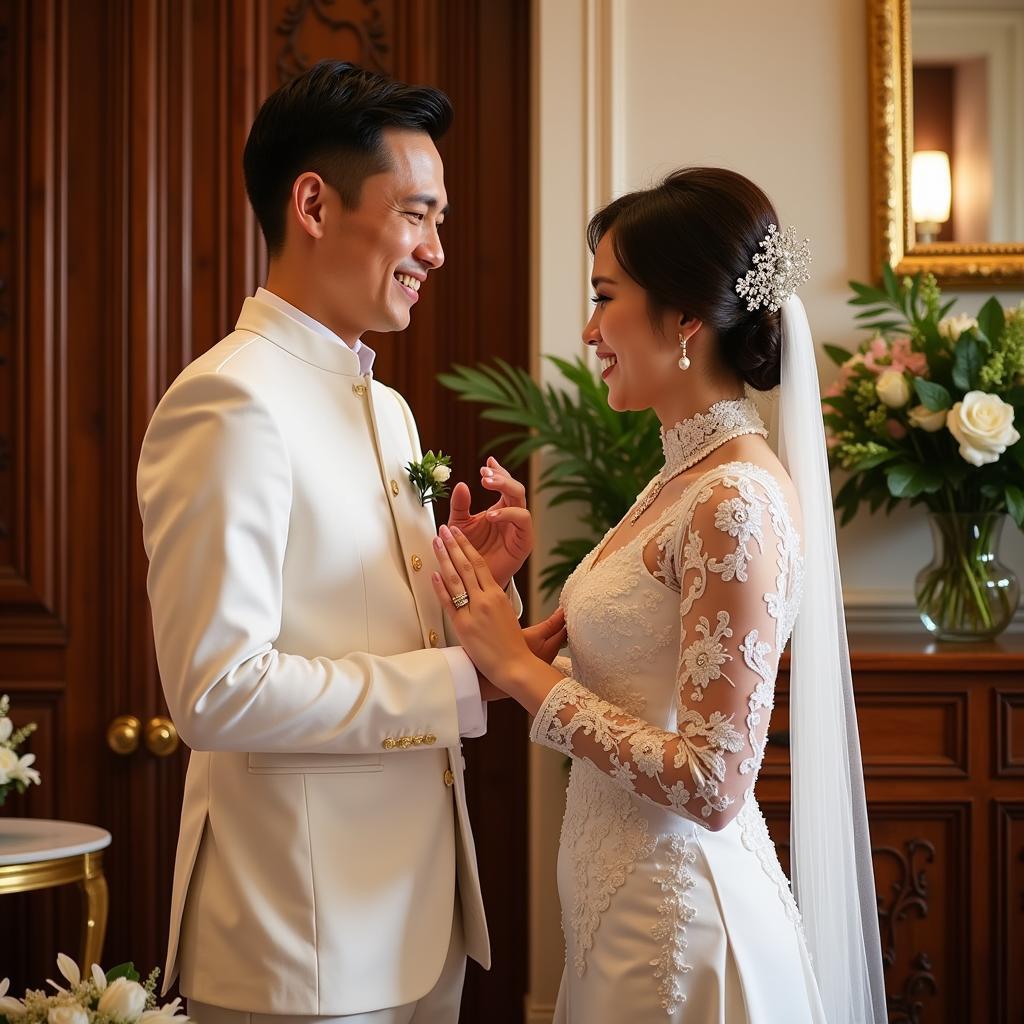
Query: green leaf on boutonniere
[
  {"x": 934, "y": 397},
  {"x": 430, "y": 475},
  {"x": 967, "y": 362}
]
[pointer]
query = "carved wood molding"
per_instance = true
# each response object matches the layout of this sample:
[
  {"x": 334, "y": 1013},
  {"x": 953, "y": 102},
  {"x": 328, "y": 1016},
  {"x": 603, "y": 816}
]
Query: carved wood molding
[
  {"x": 1008, "y": 899},
  {"x": 1009, "y": 712},
  {"x": 910, "y": 896},
  {"x": 366, "y": 27}
]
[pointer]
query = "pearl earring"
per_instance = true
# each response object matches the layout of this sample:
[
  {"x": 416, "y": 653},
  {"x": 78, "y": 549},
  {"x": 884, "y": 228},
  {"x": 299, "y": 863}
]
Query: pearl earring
[{"x": 684, "y": 362}]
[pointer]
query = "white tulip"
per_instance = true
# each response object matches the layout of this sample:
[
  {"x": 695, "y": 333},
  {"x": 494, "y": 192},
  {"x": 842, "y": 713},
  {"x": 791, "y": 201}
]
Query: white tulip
[
  {"x": 8, "y": 763},
  {"x": 441, "y": 474},
  {"x": 983, "y": 425},
  {"x": 951, "y": 327},
  {"x": 892, "y": 388},
  {"x": 123, "y": 1000},
  {"x": 923, "y": 417},
  {"x": 6, "y": 728},
  {"x": 67, "y": 1015}
]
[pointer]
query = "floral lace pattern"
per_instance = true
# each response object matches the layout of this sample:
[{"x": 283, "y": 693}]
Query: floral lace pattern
[
  {"x": 675, "y": 912},
  {"x": 608, "y": 836},
  {"x": 725, "y": 556}
]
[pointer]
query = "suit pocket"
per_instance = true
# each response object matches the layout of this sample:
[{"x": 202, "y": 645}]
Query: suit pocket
[{"x": 313, "y": 764}]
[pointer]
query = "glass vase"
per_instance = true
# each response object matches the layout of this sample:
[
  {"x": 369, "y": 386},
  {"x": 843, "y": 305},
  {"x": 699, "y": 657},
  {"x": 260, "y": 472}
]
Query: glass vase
[{"x": 965, "y": 592}]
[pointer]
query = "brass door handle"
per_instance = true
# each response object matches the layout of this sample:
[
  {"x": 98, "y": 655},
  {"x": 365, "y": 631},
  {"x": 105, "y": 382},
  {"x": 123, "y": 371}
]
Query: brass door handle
[
  {"x": 161, "y": 737},
  {"x": 123, "y": 735}
]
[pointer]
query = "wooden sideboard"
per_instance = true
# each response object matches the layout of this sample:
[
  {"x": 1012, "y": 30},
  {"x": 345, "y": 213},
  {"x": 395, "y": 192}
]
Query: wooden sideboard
[{"x": 942, "y": 738}]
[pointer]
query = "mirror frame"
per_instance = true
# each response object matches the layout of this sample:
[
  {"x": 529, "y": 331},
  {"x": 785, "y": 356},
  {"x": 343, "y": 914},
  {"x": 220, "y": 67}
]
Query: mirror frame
[{"x": 979, "y": 265}]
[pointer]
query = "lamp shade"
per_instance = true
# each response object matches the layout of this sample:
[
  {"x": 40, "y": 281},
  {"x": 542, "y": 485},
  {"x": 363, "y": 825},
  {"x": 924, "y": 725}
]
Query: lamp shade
[{"x": 931, "y": 189}]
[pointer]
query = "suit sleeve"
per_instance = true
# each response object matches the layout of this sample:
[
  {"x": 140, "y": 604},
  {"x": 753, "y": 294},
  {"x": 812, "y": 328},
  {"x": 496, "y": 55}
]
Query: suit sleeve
[{"x": 215, "y": 493}]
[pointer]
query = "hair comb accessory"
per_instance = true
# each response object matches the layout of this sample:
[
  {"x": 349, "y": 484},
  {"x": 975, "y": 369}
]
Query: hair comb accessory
[{"x": 777, "y": 272}]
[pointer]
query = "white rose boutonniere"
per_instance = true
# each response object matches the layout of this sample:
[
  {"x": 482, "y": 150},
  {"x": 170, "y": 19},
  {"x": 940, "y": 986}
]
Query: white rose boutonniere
[
  {"x": 983, "y": 425},
  {"x": 430, "y": 476}
]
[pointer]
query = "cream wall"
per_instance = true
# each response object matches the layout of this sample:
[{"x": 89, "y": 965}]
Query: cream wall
[{"x": 625, "y": 90}]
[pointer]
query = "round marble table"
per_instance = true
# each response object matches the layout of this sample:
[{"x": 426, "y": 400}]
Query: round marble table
[{"x": 37, "y": 853}]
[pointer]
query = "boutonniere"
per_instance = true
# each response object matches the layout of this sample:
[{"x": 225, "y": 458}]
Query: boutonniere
[{"x": 430, "y": 476}]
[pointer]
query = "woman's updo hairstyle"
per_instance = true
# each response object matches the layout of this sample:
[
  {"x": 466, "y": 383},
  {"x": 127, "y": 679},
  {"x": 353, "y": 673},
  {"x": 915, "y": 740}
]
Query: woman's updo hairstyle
[{"x": 686, "y": 242}]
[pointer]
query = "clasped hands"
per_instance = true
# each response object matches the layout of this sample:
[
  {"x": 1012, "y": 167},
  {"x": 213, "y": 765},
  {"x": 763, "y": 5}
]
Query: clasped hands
[{"x": 477, "y": 555}]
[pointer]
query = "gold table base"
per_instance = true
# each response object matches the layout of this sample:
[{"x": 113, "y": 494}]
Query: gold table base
[{"x": 84, "y": 868}]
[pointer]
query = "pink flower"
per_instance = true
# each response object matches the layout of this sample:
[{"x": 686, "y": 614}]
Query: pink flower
[{"x": 895, "y": 429}]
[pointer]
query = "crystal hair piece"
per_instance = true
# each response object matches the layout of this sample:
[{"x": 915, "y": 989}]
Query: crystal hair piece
[{"x": 778, "y": 271}]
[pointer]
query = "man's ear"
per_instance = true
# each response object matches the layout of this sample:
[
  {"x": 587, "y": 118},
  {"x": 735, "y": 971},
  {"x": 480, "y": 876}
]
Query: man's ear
[{"x": 307, "y": 203}]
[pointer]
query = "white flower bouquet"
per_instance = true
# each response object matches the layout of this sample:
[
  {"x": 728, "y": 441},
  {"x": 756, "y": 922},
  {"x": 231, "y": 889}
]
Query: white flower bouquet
[
  {"x": 114, "y": 997},
  {"x": 924, "y": 412},
  {"x": 16, "y": 772}
]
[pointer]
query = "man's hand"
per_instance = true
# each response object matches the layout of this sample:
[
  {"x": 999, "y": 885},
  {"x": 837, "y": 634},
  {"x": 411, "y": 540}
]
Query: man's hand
[{"x": 503, "y": 534}]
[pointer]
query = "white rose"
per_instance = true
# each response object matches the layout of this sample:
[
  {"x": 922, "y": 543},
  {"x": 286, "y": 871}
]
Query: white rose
[
  {"x": 892, "y": 388},
  {"x": 951, "y": 327},
  {"x": 983, "y": 424},
  {"x": 8, "y": 764},
  {"x": 921, "y": 416},
  {"x": 123, "y": 999},
  {"x": 67, "y": 1015},
  {"x": 441, "y": 474},
  {"x": 6, "y": 728}
]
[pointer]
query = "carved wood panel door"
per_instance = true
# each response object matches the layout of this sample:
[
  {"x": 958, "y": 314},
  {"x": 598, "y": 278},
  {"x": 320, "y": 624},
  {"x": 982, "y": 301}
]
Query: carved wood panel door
[{"x": 126, "y": 248}]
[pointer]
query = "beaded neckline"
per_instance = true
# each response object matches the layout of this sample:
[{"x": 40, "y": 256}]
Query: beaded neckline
[{"x": 695, "y": 438}]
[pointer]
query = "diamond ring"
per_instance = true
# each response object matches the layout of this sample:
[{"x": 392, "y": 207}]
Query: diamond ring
[{"x": 461, "y": 601}]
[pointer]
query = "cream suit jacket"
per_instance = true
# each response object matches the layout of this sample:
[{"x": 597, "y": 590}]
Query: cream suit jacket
[{"x": 324, "y": 822}]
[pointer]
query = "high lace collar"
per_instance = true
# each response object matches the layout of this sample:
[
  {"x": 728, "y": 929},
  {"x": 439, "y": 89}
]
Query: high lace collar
[{"x": 693, "y": 439}]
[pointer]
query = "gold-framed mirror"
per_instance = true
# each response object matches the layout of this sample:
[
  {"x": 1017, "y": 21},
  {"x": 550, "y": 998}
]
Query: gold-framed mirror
[{"x": 947, "y": 138}]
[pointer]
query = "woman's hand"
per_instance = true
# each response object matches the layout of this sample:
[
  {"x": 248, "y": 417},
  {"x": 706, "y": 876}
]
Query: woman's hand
[
  {"x": 503, "y": 534},
  {"x": 487, "y": 627}
]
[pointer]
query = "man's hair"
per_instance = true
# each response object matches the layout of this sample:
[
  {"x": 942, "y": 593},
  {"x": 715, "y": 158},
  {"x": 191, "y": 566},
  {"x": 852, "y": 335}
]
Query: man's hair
[{"x": 330, "y": 120}]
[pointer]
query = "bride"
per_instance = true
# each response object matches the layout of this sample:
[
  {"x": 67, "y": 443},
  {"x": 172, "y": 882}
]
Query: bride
[{"x": 674, "y": 905}]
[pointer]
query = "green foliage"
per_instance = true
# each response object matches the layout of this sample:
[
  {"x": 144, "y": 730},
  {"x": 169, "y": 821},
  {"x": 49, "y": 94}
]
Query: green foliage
[
  {"x": 597, "y": 458},
  {"x": 889, "y": 455}
]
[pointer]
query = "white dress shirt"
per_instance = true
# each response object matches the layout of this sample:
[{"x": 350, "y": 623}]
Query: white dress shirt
[{"x": 471, "y": 709}]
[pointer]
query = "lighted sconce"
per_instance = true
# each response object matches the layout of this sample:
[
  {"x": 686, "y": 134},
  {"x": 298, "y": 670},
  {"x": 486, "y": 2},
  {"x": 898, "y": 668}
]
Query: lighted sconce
[{"x": 931, "y": 191}]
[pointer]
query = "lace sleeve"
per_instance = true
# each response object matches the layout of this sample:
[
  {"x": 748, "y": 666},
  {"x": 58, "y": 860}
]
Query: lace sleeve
[{"x": 730, "y": 562}]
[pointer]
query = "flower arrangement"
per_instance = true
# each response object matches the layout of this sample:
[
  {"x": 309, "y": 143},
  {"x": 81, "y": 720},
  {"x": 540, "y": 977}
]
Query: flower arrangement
[
  {"x": 430, "y": 476},
  {"x": 114, "y": 997},
  {"x": 924, "y": 411},
  {"x": 15, "y": 772}
]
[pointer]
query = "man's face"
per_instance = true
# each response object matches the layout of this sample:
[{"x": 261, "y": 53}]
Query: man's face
[{"x": 376, "y": 258}]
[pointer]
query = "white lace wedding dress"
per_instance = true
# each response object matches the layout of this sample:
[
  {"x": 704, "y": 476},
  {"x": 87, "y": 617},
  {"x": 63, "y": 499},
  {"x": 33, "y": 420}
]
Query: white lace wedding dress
[{"x": 674, "y": 904}]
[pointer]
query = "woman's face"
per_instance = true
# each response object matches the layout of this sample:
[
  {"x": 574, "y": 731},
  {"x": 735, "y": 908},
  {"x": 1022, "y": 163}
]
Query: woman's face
[{"x": 639, "y": 364}]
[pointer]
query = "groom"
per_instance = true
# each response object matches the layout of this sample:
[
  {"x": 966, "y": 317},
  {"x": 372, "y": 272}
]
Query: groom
[{"x": 325, "y": 864}]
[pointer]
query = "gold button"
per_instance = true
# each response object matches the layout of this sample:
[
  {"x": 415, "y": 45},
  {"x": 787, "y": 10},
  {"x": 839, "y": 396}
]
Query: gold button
[
  {"x": 389, "y": 744},
  {"x": 394, "y": 488},
  {"x": 430, "y": 739},
  {"x": 417, "y": 563},
  {"x": 434, "y": 638},
  {"x": 449, "y": 777},
  {"x": 359, "y": 390}
]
